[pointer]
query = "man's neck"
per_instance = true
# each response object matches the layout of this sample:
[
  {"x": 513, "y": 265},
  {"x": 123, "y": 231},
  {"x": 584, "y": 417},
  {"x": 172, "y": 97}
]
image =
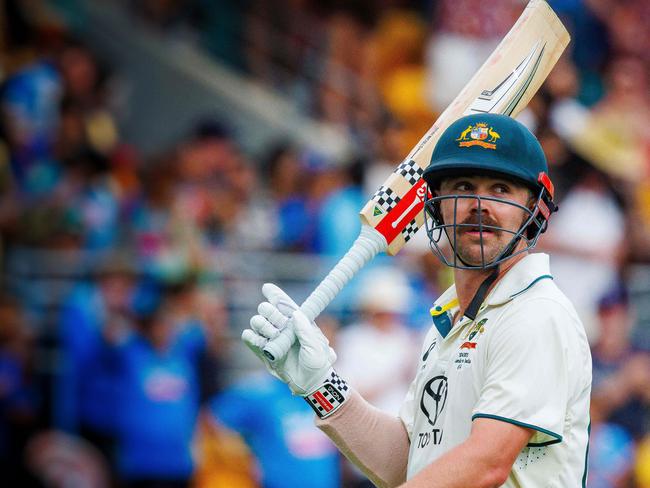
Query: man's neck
[{"x": 468, "y": 282}]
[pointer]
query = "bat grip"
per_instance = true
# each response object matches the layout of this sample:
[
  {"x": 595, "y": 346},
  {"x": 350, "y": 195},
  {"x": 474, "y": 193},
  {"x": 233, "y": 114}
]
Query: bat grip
[{"x": 365, "y": 247}]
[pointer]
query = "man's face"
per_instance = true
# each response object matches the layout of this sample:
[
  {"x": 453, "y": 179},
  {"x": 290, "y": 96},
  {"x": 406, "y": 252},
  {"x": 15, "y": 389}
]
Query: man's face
[{"x": 469, "y": 239}]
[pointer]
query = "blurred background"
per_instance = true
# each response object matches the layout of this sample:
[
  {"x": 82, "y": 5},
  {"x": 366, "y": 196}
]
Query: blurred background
[{"x": 161, "y": 159}]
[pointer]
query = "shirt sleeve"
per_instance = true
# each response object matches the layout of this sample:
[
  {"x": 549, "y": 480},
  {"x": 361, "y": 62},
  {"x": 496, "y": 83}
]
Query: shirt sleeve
[
  {"x": 406, "y": 411},
  {"x": 526, "y": 371}
]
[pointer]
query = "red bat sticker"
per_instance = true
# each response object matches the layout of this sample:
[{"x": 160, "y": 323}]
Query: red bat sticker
[{"x": 406, "y": 210}]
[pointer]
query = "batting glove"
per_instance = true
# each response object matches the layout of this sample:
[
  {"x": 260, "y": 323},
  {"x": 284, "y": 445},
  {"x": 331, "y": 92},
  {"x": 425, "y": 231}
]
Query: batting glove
[{"x": 307, "y": 367}]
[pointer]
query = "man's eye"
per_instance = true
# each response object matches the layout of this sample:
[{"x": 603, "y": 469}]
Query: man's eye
[
  {"x": 463, "y": 186},
  {"x": 501, "y": 189}
]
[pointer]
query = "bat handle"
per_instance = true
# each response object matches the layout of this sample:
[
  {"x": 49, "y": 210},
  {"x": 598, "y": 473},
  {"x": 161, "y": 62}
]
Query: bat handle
[{"x": 369, "y": 243}]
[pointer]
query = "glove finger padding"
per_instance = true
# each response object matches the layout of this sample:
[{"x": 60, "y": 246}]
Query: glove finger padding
[
  {"x": 278, "y": 298},
  {"x": 254, "y": 342},
  {"x": 263, "y": 327},
  {"x": 273, "y": 315}
]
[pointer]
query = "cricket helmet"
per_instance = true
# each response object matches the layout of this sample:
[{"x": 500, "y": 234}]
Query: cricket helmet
[{"x": 492, "y": 145}]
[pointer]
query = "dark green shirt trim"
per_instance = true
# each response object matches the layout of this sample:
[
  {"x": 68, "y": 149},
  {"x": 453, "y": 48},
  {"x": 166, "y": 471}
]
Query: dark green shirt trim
[
  {"x": 539, "y": 278},
  {"x": 584, "y": 474},
  {"x": 556, "y": 437}
]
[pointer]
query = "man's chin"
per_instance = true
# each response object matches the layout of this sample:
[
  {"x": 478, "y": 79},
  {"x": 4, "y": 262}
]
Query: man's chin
[{"x": 475, "y": 258}]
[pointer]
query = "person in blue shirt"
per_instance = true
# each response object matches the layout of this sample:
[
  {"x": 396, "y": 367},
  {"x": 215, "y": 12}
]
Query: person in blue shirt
[
  {"x": 29, "y": 103},
  {"x": 20, "y": 402},
  {"x": 279, "y": 429},
  {"x": 156, "y": 368},
  {"x": 86, "y": 392}
]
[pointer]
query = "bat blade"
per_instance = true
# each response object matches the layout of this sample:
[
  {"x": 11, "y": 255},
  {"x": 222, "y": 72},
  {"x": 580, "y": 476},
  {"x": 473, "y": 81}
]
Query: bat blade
[{"x": 504, "y": 84}]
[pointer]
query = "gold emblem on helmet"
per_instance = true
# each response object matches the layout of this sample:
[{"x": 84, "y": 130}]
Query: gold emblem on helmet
[{"x": 480, "y": 134}]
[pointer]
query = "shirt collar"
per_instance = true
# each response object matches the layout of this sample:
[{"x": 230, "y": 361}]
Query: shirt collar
[
  {"x": 443, "y": 311},
  {"x": 523, "y": 275}
]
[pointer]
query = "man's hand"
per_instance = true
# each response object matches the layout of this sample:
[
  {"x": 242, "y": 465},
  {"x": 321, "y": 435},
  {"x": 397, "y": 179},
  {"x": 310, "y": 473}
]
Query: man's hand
[{"x": 308, "y": 364}]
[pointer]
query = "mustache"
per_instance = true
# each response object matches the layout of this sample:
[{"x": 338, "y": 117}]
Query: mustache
[{"x": 472, "y": 224}]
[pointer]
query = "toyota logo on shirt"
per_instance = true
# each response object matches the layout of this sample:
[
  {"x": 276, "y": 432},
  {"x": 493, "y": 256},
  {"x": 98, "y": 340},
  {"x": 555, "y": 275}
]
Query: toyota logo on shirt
[{"x": 434, "y": 398}]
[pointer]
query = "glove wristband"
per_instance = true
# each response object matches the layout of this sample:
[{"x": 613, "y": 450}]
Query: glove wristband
[{"x": 329, "y": 396}]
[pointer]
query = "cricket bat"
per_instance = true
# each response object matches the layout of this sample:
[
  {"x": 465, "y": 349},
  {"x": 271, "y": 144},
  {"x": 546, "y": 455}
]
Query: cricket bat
[{"x": 504, "y": 84}]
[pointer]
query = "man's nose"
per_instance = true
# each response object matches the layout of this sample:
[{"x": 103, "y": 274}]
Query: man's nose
[{"x": 479, "y": 204}]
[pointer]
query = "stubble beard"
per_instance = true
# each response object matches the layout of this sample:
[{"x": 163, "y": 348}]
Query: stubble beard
[
  {"x": 494, "y": 243},
  {"x": 469, "y": 249}
]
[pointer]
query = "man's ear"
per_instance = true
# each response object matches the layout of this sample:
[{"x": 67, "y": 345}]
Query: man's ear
[{"x": 532, "y": 201}]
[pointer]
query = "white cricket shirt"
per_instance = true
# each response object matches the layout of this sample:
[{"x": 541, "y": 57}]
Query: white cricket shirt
[{"x": 524, "y": 360}]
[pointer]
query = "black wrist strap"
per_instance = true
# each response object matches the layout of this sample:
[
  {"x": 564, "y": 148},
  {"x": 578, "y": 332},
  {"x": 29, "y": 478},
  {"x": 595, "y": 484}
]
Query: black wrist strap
[{"x": 477, "y": 301}]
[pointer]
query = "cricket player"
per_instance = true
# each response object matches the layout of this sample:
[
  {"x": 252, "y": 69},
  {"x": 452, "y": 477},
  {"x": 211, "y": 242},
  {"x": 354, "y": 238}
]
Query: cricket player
[{"x": 501, "y": 393}]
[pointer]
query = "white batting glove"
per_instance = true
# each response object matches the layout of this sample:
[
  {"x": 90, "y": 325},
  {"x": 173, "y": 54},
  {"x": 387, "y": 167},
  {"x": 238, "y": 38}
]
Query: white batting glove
[{"x": 307, "y": 367}]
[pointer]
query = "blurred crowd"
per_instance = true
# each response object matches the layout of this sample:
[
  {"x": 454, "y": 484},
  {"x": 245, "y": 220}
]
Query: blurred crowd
[{"x": 118, "y": 337}]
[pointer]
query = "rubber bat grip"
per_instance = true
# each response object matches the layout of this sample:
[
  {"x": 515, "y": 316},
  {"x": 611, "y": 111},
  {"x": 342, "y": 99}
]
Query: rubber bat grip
[{"x": 365, "y": 247}]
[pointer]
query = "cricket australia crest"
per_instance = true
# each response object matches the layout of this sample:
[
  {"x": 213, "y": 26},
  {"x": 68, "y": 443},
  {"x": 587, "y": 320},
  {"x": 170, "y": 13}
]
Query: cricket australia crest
[{"x": 480, "y": 134}]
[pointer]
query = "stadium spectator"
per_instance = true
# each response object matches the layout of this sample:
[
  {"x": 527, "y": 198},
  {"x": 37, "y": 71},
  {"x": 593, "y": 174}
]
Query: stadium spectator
[
  {"x": 336, "y": 192},
  {"x": 211, "y": 311},
  {"x": 463, "y": 41},
  {"x": 156, "y": 368},
  {"x": 621, "y": 380},
  {"x": 611, "y": 455},
  {"x": 214, "y": 194},
  {"x": 586, "y": 257},
  {"x": 30, "y": 101},
  {"x": 222, "y": 458},
  {"x": 621, "y": 371},
  {"x": 376, "y": 353},
  {"x": 642, "y": 467},
  {"x": 286, "y": 185},
  {"x": 86, "y": 398},
  {"x": 615, "y": 136},
  {"x": 57, "y": 459},
  {"x": 19, "y": 401},
  {"x": 279, "y": 430}
]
